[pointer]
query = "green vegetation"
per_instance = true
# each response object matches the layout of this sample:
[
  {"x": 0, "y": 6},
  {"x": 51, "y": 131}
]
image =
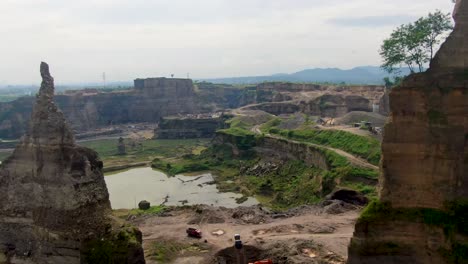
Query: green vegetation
[
  {"x": 454, "y": 219},
  {"x": 4, "y": 155},
  {"x": 381, "y": 248},
  {"x": 182, "y": 166},
  {"x": 9, "y": 97},
  {"x": 413, "y": 44},
  {"x": 112, "y": 249},
  {"x": 145, "y": 150},
  {"x": 125, "y": 213},
  {"x": 437, "y": 117},
  {"x": 165, "y": 251},
  {"x": 237, "y": 131},
  {"x": 265, "y": 128},
  {"x": 365, "y": 147},
  {"x": 240, "y": 134},
  {"x": 368, "y": 190},
  {"x": 290, "y": 184},
  {"x": 457, "y": 255}
]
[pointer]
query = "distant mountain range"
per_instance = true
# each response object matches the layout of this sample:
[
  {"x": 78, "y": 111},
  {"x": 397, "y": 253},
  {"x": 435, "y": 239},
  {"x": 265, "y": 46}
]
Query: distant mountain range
[{"x": 358, "y": 75}]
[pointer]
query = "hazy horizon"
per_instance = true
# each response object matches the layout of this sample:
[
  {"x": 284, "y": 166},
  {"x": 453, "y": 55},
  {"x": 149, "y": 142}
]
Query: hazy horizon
[{"x": 208, "y": 39}]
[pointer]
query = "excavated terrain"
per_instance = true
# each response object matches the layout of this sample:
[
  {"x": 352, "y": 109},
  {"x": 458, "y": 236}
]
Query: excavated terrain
[{"x": 309, "y": 234}]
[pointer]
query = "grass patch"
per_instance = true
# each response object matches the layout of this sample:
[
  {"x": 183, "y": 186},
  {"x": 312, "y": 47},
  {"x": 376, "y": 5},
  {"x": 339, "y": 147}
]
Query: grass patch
[
  {"x": 365, "y": 147},
  {"x": 178, "y": 167},
  {"x": 293, "y": 184},
  {"x": 437, "y": 117},
  {"x": 265, "y": 128},
  {"x": 153, "y": 210},
  {"x": 114, "y": 248},
  {"x": 368, "y": 190},
  {"x": 457, "y": 255},
  {"x": 383, "y": 248},
  {"x": 4, "y": 155},
  {"x": 453, "y": 219},
  {"x": 167, "y": 251},
  {"x": 146, "y": 151}
]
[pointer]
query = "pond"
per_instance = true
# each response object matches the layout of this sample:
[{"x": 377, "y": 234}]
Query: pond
[{"x": 127, "y": 188}]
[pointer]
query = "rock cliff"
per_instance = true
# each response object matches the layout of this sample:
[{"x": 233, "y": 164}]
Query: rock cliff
[
  {"x": 150, "y": 100},
  {"x": 421, "y": 216},
  {"x": 154, "y": 98},
  {"x": 54, "y": 204},
  {"x": 181, "y": 128},
  {"x": 327, "y": 105}
]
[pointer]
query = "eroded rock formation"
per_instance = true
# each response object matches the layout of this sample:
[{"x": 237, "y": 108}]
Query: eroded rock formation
[
  {"x": 422, "y": 213},
  {"x": 54, "y": 204}
]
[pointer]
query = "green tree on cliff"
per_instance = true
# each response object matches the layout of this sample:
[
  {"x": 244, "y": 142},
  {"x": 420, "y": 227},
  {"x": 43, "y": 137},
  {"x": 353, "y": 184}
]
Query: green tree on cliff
[{"x": 413, "y": 44}]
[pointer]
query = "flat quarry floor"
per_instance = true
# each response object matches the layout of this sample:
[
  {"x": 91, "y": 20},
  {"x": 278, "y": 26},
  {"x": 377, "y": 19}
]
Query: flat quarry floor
[{"x": 303, "y": 235}]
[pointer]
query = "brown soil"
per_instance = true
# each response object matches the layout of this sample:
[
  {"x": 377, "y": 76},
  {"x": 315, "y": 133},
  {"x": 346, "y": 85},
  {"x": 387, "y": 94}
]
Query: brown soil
[{"x": 303, "y": 235}]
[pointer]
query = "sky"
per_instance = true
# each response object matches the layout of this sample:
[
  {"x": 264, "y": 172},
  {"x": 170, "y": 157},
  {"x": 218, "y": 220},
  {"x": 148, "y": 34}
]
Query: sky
[{"x": 130, "y": 39}]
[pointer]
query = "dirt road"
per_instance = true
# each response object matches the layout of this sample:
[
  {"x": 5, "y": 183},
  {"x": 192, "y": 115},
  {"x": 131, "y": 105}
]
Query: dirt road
[{"x": 327, "y": 234}]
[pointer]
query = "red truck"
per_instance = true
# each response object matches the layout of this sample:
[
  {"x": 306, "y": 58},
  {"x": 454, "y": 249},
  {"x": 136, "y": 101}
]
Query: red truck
[{"x": 193, "y": 232}]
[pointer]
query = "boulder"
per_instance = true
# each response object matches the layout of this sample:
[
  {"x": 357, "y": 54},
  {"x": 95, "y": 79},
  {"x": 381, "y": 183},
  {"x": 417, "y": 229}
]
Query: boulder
[{"x": 144, "y": 205}]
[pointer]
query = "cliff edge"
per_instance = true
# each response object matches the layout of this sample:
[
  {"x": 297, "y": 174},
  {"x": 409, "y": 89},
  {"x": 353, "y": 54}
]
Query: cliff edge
[{"x": 422, "y": 213}]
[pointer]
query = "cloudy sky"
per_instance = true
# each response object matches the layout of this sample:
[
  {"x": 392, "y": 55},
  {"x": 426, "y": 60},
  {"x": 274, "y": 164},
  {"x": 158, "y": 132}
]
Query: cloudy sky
[{"x": 128, "y": 39}]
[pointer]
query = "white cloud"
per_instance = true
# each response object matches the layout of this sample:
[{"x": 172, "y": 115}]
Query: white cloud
[{"x": 208, "y": 38}]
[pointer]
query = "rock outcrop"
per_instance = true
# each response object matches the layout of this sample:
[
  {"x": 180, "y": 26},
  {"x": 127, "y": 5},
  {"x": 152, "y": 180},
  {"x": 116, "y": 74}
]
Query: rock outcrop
[
  {"x": 421, "y": 216},
  {"x": 54, "y": 203}
]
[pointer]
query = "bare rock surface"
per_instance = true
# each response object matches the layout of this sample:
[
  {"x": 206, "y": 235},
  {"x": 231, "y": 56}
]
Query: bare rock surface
[
  {"x": 53, "y": 198},
  {"x": 424, "y": 180}
]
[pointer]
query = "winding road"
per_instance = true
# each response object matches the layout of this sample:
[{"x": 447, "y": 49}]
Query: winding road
[{"x": 357, "y": 161}]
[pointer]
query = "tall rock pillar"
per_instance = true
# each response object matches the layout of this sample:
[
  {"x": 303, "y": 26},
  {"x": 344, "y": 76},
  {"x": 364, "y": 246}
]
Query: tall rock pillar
[
  {"x": 54, "y": 203},
  {"x": 422, "y": 215}
]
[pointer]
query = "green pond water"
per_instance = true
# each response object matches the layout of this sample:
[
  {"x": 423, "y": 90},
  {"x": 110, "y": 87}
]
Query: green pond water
[{"x": 127, "y": 188}]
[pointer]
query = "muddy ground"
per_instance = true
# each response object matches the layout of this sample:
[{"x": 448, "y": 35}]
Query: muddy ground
[{"x": 310, "y": 234}]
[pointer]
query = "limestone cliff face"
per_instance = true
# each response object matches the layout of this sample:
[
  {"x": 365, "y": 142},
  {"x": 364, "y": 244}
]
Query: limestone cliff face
[
  {"x": 53, "y": 196},
  {"x": 270, "y": 147},
  {"x": 328, "y": 105},
  {"x": 282, "y": 149},
  {"x": 320, "y": 100},
  {"x": 150, "y": 100},
  {"x": 424, "y": 182},
  {"x": 174, "y": 128},
  {"x": 267, "y": 92}
]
